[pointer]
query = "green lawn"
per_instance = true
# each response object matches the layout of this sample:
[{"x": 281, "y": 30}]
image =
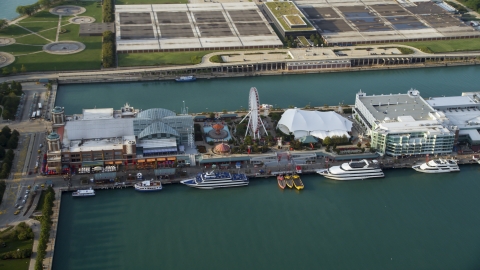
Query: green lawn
[
  {"x": 13, "y": 31},
  {"x": 17, "y": 264},
  {"x": 85, "y": 60},
  {"x": 33, "y": 39},
  {"x": 50, "y": 34},
  {"x": 161, "y": 58},
  {"x": 39, "y": 26},
  {"x": 93, "y": 10},
  {"x": 132, "y": 2},
  {"x": 17, "y": 49},
  {"x": 447, "y": 45},
  {"x": 72, "y": 33}
]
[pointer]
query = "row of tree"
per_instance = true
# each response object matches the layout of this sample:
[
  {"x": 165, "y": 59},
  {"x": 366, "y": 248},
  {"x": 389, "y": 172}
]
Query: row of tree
[
  {"x": 336, "y": 140},
  {"x": 30, "y": 9},
  {"x": 472, "y": 4},
  {"x": 291, "y": 42},
  {"x": 13, "y": 87},
  {"x": 9, "y": 98},
  {"x": 7, "y": 164},
  {"x": 6, "y": 71},
  {"x": 316, "y": 39},
  {"x": 8, "y": 139},
  {"x": 108, "y": 15},
  {"x": 46, "y": 223},
  {"x": 108, "y": 49}
]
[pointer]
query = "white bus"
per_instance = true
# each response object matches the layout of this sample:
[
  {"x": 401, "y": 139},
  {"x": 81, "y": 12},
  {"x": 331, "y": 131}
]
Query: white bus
[
  {"x": 33, "y": 115},
  {"x": 39, "y": 106},
  {"x": 38, "y": 113}
]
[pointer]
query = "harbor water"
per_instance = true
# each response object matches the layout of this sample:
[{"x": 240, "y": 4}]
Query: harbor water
[
  {"x": 407, "y": 220},
  {"x": 8, "y": 7},
  {"x": 283, "y": 91}
]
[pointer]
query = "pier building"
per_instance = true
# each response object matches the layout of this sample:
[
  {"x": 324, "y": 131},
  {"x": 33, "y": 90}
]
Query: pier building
[
  {"x": 404, "y": 124},
  {"x": 102, "y": 137},
  {"x": 192, "y": 27},
  {"x": 464, "y": 113},
  {"x": 314, "y": 123}
]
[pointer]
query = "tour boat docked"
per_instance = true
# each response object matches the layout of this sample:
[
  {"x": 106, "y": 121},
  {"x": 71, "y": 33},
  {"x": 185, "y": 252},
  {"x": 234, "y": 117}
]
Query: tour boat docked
[
  {"x": 297, "y": 181},
  {"x": 281, "y": 181},
  {"x": 186, "y": 79},
  {"x": 148, "y": 185},
  {"x": 353, "y": 170},
  {"x": 211, "y": 180},
  {"x": 84, "y": 193},
  {"x": 437, "y": 166},
  {"x": 289, "y": 180}
]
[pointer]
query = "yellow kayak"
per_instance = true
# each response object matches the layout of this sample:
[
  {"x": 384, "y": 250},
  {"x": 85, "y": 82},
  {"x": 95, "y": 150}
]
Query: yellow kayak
[
  {"x": 297, "y": 182},
  {"x": 289, "y": 180}
]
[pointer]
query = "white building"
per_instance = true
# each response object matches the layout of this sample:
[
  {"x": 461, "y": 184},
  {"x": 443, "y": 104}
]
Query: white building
[
  {"x": 318, "y": 124},
  {"x": 404, "y": 124},
  {"x": 464, "y": 113}
]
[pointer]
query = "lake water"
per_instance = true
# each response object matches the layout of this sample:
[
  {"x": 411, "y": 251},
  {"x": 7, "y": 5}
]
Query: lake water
[
  {"x": 8, "y": 7},
  {"x": 407, "y": 220},
  {"x": 284, "y": 91}
]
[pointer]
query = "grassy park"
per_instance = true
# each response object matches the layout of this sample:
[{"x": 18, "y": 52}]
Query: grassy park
[
  {"x": 444, "y": 46},
  {"x": 10, "y": 237},
  {"x": 28, "y": 49},
  {"x": 136, "y": 2},
  {"x": 160, "y": 58}
]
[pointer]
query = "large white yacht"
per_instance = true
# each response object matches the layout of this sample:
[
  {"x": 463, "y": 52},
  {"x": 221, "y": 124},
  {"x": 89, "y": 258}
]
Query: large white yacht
[
  {"x": 437, "y": 166},
  {"x": 353, "y": 170},
  {"x": 211, "y": 180},
  {"x": 84, "y": 193}
]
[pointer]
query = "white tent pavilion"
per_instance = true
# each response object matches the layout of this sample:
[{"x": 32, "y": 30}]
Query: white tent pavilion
[{"x": 318, "y": 124}]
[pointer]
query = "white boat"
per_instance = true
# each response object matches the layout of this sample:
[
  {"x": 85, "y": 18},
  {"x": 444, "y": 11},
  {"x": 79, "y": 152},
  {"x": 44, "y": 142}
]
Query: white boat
[
  {"x": 211, "y": 180},
  {"x": 437, "y": 166},
  {"x": 476, "y": 158},
  {"x": 84, "y": 193},
  {"x": 353, "y": 170},
  {"x": 148, "y": 185}
]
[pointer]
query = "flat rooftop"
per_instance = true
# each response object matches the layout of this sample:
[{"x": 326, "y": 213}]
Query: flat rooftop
[
  {"x": 373, "y": 21},
  {"x": 385, "y": 107},
  {"x": 284, "y": 12},
  {"x": 466, "y": 100},
  {"x": 187, "y": 27}
]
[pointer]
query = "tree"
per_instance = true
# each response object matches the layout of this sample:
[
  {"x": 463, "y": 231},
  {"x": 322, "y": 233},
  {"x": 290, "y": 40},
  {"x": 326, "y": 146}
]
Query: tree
[
  {"x": 5, "y": 71},
  {"x": 23, "y": 69},
  {"x": 248, "y": 140},
  {"x": 4, "y": 88},
  {"x": 327, "y": 141},
  {"x": 45, "y": 3},
  {"x": 6, "y": 131},
  {"x": 12, "y": 142},
  {"x": 2, "y": 23},
  {"x": 359, "y": 144},
  {"x": 2, "y": 152},
  {"x": 3, "y": 140},
  {"x": 14, "y": 70}
]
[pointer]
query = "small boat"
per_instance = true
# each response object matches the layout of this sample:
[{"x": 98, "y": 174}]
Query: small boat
[
  {"x": 148, "y": 185},
  {"x": 289, "y": 180},
  {"x": 297, "y": 182},
  {"x": 476, "y": 158},
  {"x": 186, "y": 79},
  {"x": 84, "y": 193},
  {"x": 281, "y": 181},
  {"x": 438, "y": 166}
]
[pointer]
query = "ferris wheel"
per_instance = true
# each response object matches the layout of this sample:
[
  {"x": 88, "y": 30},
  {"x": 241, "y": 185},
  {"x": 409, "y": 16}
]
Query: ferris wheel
[{"x": 254, "y": 120}]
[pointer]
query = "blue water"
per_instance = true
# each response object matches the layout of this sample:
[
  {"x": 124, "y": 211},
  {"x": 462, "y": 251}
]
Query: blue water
[{"x": 7, "y": 8}]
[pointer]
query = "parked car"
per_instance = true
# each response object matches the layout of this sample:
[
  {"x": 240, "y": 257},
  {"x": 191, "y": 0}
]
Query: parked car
[{"x": 16, "y": 212}]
